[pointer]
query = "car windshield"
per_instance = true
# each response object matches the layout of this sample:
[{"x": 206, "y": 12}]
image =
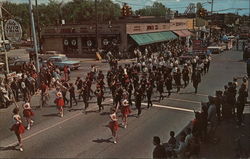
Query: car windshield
[{"x": 64, "y": 58}]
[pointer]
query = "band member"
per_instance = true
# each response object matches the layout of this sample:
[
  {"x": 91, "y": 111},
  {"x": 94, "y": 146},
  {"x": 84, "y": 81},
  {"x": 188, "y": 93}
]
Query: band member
[
  {"x": 28, "y": 113},
  {"x": 113, "y": 125},
  {"x": 160, "y": 85},
  {"x": 196, "y": 79},
  {"x": 185, "y": 75},
  {"x": 169, "y": 84},
  {"x": 18, "y": 127},
  {"x": 84, "y": 94},
  {"x": 59, "y": 103},
  {"x": 99, "y": 94},
  {"x": 72, "y": 94},
  {"x": 125, "y": 112},
  {"x": 149, "y": 91},
  {"x": 138, "y": 99}
]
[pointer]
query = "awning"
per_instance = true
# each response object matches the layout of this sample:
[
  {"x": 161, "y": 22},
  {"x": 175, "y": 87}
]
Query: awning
[
  {"x": 150, "y": 38},
  {"x": 182, "y": 33}
]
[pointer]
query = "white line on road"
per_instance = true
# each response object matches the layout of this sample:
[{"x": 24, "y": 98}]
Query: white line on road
[
  {"x": 171, "y": 107},
  {"x": 184, "y": 100}
]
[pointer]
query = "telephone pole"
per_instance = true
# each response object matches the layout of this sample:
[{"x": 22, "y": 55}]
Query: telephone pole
[
  {"x": 3, "y": 38},
  {"x": 212, "y": 8},
  {"x": 96, "y": 25},
  {"x": 34, "y": 35}
]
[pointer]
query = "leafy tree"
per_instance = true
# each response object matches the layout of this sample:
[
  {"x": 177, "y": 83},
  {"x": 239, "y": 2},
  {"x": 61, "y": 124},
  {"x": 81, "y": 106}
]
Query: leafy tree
[{"x": 157, "y": 9}]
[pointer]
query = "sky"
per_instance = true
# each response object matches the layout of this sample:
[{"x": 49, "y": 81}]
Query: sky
[{"x": 176, "y": 4}]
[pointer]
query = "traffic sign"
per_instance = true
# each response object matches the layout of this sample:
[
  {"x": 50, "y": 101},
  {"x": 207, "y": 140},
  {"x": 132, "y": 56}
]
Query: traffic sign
[{"x": 13, "y": 30}]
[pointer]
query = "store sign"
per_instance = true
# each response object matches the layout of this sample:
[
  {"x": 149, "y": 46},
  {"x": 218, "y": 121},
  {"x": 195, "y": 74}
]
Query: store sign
[{"x": 13, "y": 31}]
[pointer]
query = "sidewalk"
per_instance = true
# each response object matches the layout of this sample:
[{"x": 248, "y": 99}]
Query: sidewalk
[{"x": 231, "y": 142}]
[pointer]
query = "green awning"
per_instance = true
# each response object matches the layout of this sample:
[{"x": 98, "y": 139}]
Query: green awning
[{"x": 150, "y": 38}]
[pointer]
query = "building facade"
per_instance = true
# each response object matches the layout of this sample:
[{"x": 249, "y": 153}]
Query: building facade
[{"x": 82, "y": 40}]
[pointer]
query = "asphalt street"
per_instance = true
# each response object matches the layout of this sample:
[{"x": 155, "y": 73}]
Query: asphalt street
[{"x": 84, "y": 136}]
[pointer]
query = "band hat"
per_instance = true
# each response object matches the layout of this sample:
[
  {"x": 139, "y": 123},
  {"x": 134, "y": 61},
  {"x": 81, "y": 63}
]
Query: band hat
[
  {"x": 27, "y": 106},
  {"x": 125, "y": 103},
  {"x": 59, "y": 94},
  {"x": 113, "y": 117}
]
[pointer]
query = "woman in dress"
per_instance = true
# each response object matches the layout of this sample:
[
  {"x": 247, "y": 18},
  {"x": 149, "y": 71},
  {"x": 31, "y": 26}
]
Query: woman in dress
[
  {"x": 59, "y": 103},
  {"x": 18, "y": 127},
  {"x": 125, "y": 112},
  {"x": 113, "y": 125},
  {"x": 28, "y": 113}
]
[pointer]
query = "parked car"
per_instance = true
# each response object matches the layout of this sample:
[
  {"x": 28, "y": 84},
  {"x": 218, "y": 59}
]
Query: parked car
[
  {"x": 61, "y": 61},
  {"x": 17, "y": 66},
  {"x": 215, "y": 49},
  {"x": 49, "y": 54}
]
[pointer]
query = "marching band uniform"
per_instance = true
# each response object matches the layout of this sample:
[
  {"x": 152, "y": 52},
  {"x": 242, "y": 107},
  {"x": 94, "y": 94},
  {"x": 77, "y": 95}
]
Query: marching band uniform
[
  {"x": 125, "y": 112},
  {"x": 18, "y": 127},
  {"x": 28, "y": 113},
  {"x": 113, "y": 125},
  {"x": 59, "y": 103},
  {"x": 99, "y": 94}
]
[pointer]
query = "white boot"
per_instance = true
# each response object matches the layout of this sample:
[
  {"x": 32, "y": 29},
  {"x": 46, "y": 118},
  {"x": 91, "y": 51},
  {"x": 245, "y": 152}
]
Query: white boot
[{"x": 28, "y": 127}]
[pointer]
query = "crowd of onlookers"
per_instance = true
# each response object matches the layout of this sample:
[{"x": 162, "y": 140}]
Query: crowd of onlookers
[{"x": 226, "y": 105}]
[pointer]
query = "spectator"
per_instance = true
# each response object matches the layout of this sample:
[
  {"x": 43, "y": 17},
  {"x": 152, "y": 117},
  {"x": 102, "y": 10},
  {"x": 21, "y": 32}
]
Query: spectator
[
  {"x": 182, "y": 147},
  {"x": 159, "y": 151}
]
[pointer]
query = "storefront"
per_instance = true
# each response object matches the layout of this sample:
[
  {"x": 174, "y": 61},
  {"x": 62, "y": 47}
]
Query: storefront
[{"x": 81, "y": 40}]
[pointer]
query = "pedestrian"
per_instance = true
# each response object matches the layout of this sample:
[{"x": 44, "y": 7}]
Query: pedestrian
[
  {"x": 66, "y": 71},
  {"x": 28, "y": 114},
  {"x": 18, "y": 127},
  {"x": 241, "y": 103},
  {"x": 125, "y": 112},
  {"x": 159, "y": 150},
  {"x": 72, "y": 95},
  {"x": 113, "y": 125},
  {"x": 64, "y": 90},
  {"x": 100, "y": 95},
  {"x": 59, "y": 103}
]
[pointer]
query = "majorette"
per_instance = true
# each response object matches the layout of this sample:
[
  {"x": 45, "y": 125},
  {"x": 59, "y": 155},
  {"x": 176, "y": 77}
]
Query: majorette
[
  {"x": 28, "y": 113},
  {"x": 125, "y": 112},
  {"x": 17, "y": 127},
  {"x": 113, "y": 125},
  {"x": 59, "y": 103}
]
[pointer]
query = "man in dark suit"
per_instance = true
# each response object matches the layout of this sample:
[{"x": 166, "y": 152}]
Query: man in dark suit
[{"x": 196, "y": 79}]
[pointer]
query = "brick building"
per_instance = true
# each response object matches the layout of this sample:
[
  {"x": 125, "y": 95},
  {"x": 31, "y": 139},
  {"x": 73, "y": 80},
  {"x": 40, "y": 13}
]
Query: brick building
[{"x": 80, "y": 40}]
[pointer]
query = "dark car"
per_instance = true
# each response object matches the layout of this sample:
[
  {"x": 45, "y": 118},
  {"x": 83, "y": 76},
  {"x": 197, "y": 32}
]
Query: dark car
[{"x": 17, "y": 66}]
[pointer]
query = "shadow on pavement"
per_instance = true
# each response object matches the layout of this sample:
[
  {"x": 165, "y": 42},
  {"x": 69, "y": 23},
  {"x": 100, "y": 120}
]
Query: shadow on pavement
[
  {"x": 49, "y": 115},
  {"x": 108, "y": 140},
  {"x": 13, "y": 147}
]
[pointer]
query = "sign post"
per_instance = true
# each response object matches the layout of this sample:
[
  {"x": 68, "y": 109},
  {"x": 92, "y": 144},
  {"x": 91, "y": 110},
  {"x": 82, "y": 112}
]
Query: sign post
[{"x": 3, "y": 37}]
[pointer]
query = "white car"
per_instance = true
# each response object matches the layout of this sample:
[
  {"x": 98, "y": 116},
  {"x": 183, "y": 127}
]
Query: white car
[
  {"x": 215, "y": 49},
  {"x": 49, "y": 54}
]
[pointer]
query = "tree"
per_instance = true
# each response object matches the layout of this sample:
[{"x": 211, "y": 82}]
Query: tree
[{"x": 157, "y": 9}]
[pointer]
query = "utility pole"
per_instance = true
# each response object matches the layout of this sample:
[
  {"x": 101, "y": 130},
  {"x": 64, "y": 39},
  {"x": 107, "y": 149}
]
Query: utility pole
[
  {"x": 38, "y": 26},
  {"x": 96, "y": 26},
  {"x": 34, "y": 35},
  {"x": 3, "y": 38},
  {"x": 212, "y": 8}
]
